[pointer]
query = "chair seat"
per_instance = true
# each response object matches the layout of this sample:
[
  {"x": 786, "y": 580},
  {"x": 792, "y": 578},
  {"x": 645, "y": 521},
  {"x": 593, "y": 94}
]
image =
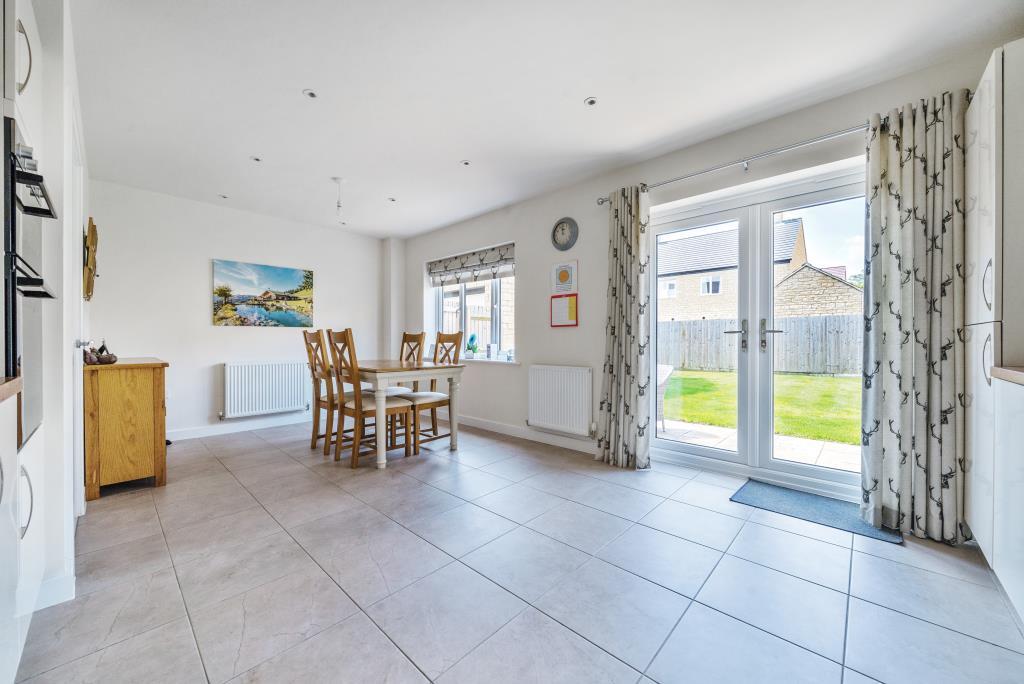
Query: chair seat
[
  {"x": 395, "y": 391},
  {"x": 418, "y": 398},
  {"x": 368, "y": 402}
]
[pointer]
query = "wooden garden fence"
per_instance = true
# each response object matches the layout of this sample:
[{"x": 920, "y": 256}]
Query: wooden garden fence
[{"x": 830, "y": 345}]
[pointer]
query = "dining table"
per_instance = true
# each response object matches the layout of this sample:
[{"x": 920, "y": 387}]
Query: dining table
[{"x": 380, "y": 374}]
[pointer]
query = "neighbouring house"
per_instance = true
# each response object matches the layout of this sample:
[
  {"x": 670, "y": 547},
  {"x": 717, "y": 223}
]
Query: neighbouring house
[{"x": 698, "y": 277}]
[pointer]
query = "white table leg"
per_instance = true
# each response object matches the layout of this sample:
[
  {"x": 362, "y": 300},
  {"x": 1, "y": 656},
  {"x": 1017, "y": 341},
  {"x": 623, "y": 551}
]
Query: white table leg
[
  {"x": 453, "y": 412},
  {"x": 381, "y": 427}
]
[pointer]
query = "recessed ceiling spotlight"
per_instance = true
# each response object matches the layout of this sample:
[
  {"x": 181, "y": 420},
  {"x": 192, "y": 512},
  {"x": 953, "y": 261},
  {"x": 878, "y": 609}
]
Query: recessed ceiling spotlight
[
  {"x": 223, "y": 196},
  {"x": 311, "y": 94},
  {"x": 256, "y": 158},
  {"x": 464, "y": 162},
  {"x": 590, "y": 101},
  {"x": 392, "y": 199}
]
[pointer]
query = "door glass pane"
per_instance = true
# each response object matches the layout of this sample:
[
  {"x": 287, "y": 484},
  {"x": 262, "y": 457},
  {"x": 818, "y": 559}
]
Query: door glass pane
[
  {"x": 697, "y": 362},
  {"x": 478, "y": 314},
  {"x": 818, "y": 304}
]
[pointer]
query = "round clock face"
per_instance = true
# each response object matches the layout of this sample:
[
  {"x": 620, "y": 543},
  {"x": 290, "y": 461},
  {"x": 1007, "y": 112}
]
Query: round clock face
[{"x": 564, "y": 234}]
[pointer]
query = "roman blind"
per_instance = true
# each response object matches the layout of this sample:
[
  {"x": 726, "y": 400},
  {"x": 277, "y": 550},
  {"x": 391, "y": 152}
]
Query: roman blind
[{"x": 483, "y": 264}]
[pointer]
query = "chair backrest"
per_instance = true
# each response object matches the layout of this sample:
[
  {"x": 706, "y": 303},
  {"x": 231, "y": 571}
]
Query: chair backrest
[
  {"x": 346, "y": 367},
  {"x": 319, "y": 365},
  {"x": 447, "y": 349},
  {"x": 412, "y": 351}
]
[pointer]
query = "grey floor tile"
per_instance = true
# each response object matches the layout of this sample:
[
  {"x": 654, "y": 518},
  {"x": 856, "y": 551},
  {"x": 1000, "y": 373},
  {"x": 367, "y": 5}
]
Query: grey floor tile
[
  {"x": 960, "y": 605},
  {"x": 339, "y": 654},
  {"x": 164, "y": 655},
  {"x": 518, "y": 469},
  {"x": 700, "y": 525},
  {"x": 243, "y": 631},
  {"x": 534, "y": 649},
  {"x": 712, "y": 497},
  {"x": 86, "y": 624},
  {"x": 802, "y": 527},
  {"x": 563, "y": 483},
  {"x": 115, "y": 564},
  {"x": 239, "y": 568},
  {"x": 964, "y": 562},
  {"x": 519, "y": 502},
  {"x": 116, "y": 526},
  {"x": 201, "y": 538},
  {"x": 286, "y": 485},
  {"x": 444, "y": 616},
  {"x": 431, "y": 467},
  {"x": 650, "y": 481},
  {"x": 927, "y": 653},
  {"x": 200, "y": 507},
  {"x": 317, "y": 502},
  {"x": 854, "y": 677},
  {"x": 806, "y": 614},
  {"x": 708, "y": 646},
  {"x": 809, "y": 559},
  {"x": 664, "y": 559},
  {"x": 624, "y": 614},
  {"x": 578, "y": 526},
  {"x": 525, "y": 562},
  {"x": 624, "y": 502},
  {"x": 471, "y": 484},
  {"x": 461, "y": 529},
  {"x": 730, "y": 482}
]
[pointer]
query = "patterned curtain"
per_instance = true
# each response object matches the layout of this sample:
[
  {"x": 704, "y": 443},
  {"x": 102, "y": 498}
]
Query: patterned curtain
[
  {"x": 912, "y": 471},
  {"x": 482, "y": 264},
  {"x": 625, "y": 409}
]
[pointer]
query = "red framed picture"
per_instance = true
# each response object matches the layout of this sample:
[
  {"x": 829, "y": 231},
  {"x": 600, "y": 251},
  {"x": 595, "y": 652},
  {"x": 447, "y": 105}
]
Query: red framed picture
[{"x": 565, "y": 311}]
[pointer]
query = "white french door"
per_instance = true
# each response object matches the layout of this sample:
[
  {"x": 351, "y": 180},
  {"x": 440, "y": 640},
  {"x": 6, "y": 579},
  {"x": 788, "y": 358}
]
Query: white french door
[{"x": 758, "y": 325}]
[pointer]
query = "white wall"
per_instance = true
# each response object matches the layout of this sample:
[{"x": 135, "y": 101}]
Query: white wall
[
  {"x": 495, "y": 396},
  {"x": 153, "y": 293}
]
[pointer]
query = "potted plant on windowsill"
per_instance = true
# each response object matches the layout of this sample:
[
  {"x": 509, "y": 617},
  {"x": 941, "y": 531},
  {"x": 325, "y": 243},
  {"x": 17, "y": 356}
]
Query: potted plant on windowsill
[{"x": 471, "y": 346}]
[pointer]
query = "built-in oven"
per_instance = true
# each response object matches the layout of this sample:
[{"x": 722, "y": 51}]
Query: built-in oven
[{"x": 26, "y": 204}]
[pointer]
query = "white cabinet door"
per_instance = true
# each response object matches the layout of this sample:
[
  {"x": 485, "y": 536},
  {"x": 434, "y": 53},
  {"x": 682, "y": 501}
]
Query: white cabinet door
[
  {"x": 10, "y": 642},
  {"x": 31, "y": 527},
  {"x": 982, "y": 351},
  {"x": 983, "y": 249},
  {"x": 1009, "y": 492}
]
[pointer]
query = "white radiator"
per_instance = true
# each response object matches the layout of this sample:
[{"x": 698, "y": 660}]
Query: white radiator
[
  {"x": 561, "y": 399},
  {"x": 256, "y": 388}
]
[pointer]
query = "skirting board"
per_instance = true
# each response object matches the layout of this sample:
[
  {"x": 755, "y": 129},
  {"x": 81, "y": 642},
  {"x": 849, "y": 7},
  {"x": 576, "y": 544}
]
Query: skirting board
[
  {"x": 587, "y": 446},
  {"x": 239, "y": 425}
]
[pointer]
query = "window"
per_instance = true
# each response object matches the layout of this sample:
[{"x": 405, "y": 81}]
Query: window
[
  {"x": 476, "y": 293},
  {"x": 710, "y": 285},
  {"x": 666, "y": 289}
]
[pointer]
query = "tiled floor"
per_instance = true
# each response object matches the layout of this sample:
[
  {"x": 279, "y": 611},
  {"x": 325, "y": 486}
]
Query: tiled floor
[{"x": 509, "y": 561}]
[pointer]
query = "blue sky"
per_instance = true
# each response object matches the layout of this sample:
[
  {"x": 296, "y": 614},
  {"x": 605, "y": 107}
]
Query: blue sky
[
  {"x": 834, "y": 233},
  {"x": 249, "y": 279}
]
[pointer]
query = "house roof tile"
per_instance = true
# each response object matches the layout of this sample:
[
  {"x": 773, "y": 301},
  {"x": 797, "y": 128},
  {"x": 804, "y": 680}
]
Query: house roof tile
[{"x": 719, "y": 250}]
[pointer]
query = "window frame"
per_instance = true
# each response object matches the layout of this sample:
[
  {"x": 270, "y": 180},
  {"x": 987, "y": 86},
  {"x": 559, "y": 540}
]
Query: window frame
[
  {"x": 496, "y": 317},
  {"x": 712, "y": 281}
]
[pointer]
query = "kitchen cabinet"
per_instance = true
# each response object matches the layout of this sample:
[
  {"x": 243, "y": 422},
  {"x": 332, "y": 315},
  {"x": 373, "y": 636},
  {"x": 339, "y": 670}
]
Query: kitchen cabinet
[
  {"x": 1008, "y": 495},
  {"x": 981, "y": 351}
]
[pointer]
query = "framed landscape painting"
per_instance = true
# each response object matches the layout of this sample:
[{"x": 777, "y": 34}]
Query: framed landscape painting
[{"x": 260, "y": 295}]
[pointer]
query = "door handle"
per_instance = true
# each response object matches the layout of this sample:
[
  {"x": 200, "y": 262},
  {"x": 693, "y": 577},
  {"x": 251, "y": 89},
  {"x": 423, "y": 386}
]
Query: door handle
[
  {"x": 742, "y": 332},
  {"x": 765, "y": 332},
  {"x": 985, "y": 366},
  {"x": 984, "y": 277},
  {"x": 82, "y": 343},
  {"x": 31, "y": 503}
]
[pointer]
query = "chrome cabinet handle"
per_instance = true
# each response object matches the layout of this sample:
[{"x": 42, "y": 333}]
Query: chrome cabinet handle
[
  {"x": 742, "y": 332},
  {"x": 24, "y": 84},
  {"x": 984, "y": 277},
  {"x": 2, "y": 480},
  {"x": 31, "y": 503},
  {"x": 985, "y": 366}
]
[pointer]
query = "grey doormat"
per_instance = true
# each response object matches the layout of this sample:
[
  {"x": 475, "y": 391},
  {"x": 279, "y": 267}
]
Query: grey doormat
[{"x": 842, "y": 515}]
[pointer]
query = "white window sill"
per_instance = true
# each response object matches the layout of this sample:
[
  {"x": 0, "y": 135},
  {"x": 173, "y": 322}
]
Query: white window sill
[{"x": 494, "y": 361}]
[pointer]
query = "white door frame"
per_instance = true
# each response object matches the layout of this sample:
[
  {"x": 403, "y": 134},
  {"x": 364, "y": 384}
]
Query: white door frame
[
  {"x": 743, "y": 217},
  {"x": 764, "y": 458},
  {"x": 754, "y": 419}
]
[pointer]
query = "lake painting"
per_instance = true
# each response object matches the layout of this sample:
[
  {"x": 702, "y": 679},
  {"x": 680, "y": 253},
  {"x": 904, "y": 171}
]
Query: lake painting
[{"x": 260, "y": 295}]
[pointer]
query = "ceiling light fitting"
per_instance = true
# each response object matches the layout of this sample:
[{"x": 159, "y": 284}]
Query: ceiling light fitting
[
  {"x": 256, "y": 159},
  {"x": 464, "y": 162},
  {"x": 311, "y": 94},
  {"x": 223, "y": 196},
  {"x": 590, "y": 101},
  {"x": 337, "y": 180},
  {"x": 392, "y": 199}
]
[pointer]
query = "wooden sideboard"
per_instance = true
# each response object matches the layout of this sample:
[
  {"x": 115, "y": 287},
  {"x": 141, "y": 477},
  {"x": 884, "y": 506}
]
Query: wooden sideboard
[{"x": 125, "y": 431}]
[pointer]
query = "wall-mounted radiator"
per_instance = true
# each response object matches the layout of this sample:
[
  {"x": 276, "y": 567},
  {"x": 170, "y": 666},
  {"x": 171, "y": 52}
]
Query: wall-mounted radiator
[
  {"x": 561, "y": 399},
  {"x": 257, "y": 388}
]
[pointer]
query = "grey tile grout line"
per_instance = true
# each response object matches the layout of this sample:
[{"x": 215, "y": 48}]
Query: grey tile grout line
[{"x": 642, "y": 578}]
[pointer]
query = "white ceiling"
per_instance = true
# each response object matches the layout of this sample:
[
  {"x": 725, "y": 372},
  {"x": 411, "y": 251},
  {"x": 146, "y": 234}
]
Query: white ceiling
[{"x": 177, "y": 96}]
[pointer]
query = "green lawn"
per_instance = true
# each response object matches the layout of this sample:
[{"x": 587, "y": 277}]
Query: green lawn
[{"x": 822, "y": 407}]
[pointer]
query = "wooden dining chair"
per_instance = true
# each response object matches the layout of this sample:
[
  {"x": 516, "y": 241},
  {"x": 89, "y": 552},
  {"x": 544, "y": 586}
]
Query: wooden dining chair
[
  {"x": 447, "y": 349},
  {"x": 324, "y": 396},
  {"x": 411, "y": 351},
  {"x": 360, "y": 406}
]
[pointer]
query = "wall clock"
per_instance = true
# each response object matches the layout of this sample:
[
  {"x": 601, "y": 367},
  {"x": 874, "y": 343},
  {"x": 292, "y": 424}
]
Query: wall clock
[
  {"x": 564, "y": 234},
  {"x": 90, "y": 241}
]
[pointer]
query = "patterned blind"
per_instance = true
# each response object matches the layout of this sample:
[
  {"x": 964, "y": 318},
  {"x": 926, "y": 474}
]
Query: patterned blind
[{"x": 483, "y": 264}]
